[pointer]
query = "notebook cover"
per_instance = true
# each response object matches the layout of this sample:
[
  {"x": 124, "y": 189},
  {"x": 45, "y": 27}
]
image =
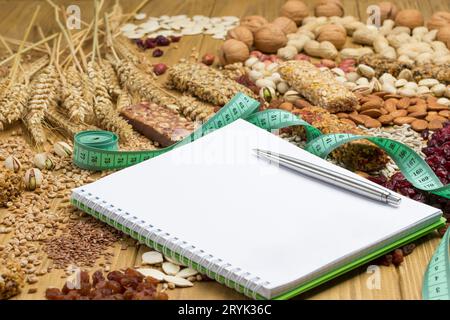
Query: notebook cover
[{"x": 292, "y": 293}]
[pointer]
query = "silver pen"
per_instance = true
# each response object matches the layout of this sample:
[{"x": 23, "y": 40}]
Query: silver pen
[{"x": 332, "y": 177}]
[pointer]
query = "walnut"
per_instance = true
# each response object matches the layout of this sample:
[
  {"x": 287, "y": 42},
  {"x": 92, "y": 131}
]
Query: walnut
[
  {"x": 233, "y": 51},
  {"x": 287, "y": 25},
  {"x": 329, "y": 8},
  {"x": 336, "y": 34},
  {"x": 444, "y": 34},
  {"x": 438, "y": 20},
  {"x": 270, "y": 38},
  {"x": 253, "y": 23},
  {"x": 388, "y": 10},
  {"x": 410, "y": 18},
  {"x": 241, "y": 33},
  {"x": 295, "y": 10}
]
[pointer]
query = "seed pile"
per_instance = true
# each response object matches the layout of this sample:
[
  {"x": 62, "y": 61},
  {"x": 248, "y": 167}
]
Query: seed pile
[{"x": 81, "y": 243}]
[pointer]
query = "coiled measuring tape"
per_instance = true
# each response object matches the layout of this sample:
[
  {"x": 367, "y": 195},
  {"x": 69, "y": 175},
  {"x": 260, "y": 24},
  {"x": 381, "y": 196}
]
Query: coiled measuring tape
[{"x": 98, "y": 150}]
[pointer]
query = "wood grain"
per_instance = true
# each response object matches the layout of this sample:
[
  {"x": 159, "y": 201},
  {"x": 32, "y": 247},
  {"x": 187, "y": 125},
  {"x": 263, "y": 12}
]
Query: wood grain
[{"x": 403, "y": 282}]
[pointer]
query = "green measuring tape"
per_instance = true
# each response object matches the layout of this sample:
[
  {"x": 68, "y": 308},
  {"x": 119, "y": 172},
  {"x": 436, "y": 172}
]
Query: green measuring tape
[
  {"x": 98, "y": 150},
  {"x": 436, "y": 282}
]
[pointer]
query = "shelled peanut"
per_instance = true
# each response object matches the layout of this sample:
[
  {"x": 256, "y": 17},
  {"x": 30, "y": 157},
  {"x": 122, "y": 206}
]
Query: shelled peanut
[{"x": 384, "y": 109}]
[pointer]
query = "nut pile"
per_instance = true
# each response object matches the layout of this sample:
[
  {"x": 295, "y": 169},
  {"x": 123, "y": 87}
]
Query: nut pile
[{"x": 383, "y": 109}]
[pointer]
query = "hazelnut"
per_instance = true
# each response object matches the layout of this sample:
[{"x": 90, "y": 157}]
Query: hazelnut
[
  {"x": 241, "y": 33},
  {"x": 336, "y": 34},
  {"x": 329, "y": 8},
  {"x": 388, "y": 10},
  {"x": 295, "y": 10},
  {"x": 410, "y": 18},
  {"x": 438, "y": 20},
  {"x": 233, "y": 51},
  {"x": 270, "y": 38},
  {"x": 444, "y": 34},
  {"x": 287, "y": 25},
  {"x": 253, "y": 23}
]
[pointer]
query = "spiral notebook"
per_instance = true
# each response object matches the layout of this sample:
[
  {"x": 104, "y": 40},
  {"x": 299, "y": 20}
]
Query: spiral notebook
[{"x": 263, "y": 230}]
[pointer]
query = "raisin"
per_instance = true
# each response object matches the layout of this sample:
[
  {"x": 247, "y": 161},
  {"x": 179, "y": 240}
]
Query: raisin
[
  {"x": 53, "y": 294},
  {"x": 115, "y": 275},
  {"x": 114, "y": 286},
  {"x": 97, "y": 277}
]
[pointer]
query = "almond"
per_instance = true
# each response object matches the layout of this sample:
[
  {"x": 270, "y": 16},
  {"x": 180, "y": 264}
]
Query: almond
[
  {"x": 365, "y": 117},
  {"x": 371, "y": 104},
  {"x": 435, "y": 125},
  {"x": 403, "y": 103},
  {"x": 286, "y": 106},
  {"x": 348, "y": 121},
  {"x": 403, "y": 120},
  {"x": 386, "y": 119},
  {"x": 342, "y": 115},
  {"x": 372, "y": 123},
  {"x": 419, "y": 125},
  {"x": 374, "y": 113},
  {"x": 390, "y": 105},
  {"x": 356, "y": 119},
  {"x": 399, "y": 113},
  {"x": 383, "y": 111},
  {"x": 436, "y": 107},
  {"x": 418, "y": 114},
  {"x": 436, "y": 117},
  {"x": 445, "y": 113},
  {"x": 417, "y": 108}
]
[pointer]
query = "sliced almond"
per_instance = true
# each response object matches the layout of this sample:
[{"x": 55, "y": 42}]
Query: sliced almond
[
  {"x": 170, "y": 268},
  {"x": 152, "y": 257},
  {"x": 149, "y": 272},
  {"x": 187, "y": 272},
  {"x": 179, "y": 282}
]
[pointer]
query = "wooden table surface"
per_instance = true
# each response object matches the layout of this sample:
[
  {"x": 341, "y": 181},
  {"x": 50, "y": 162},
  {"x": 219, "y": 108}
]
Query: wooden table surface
[{"x": 403, "y": 282}]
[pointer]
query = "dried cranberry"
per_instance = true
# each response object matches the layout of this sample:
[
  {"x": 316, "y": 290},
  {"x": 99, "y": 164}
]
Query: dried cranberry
[
  {"x": 175, "y": 39},
  {"x": 53, "y": 294},
  {"x": 397, "y": 257},
  {"x": 97, "y": 277},
  {"x": 140, "y": 43},
  {"x": 157, "y": 53},
  {"x": 408, "y": 249},
  {"x": 115, "y": 275},
  {"x": 159, "y": 69},
  {"x": 150, "y": 43},
  {"x": 162, "y": 41}
]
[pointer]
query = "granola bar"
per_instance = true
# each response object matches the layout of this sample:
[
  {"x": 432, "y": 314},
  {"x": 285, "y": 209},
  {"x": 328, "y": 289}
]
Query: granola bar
[
  {"x": 429, "y": 70},
  {"x": 11, "y": 279},
  {"x": 359, "y": 155},
  {"x": 158, "y": 123},
  {"x": 205, "y": 83},
  {"x": 383, "y": 65},
  {"x": 319, "y": 87}
]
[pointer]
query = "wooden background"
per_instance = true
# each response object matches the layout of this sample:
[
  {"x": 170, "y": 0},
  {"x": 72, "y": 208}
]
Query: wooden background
[{"x": 402, "y": 282}]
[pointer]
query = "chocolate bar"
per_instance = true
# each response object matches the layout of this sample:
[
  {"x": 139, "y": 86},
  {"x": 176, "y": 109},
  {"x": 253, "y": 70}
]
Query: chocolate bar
[{"x": 158, "y": 123}]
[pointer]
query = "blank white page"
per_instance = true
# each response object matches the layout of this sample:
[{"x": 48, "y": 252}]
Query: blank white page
[{"x": 276, "y": 224}]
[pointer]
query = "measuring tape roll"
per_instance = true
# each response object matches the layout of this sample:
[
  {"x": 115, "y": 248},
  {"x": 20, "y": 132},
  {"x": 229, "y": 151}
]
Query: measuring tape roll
[{"x": 98, "y": 150}]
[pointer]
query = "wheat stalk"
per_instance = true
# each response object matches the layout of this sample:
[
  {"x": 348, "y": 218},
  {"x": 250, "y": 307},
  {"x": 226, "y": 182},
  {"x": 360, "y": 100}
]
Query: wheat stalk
[
  {"x": 124, "y": 100},
  {"x": 112, "y": 81},
  {"x": 107, "y": 118},
  {"x": 74, "y": 102},
  {"x": 66, "y": 125},
  {"x": 43, "y": 95}
]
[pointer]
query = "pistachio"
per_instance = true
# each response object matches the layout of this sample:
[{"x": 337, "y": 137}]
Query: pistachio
[
  {"x": 267, "y": 94},
  {"x": 405, "y": 74},
  {"x": 62, "y": 149},
  {"x": 438, "y": 89},
  {"x": 12, "y": 163},
  {"x": 291, "y": 96},
  {"x": 366, "y": 71},
  {"x": 363, "y": 89},
  {"x": 43, "y": 161},
  {"x": 33, "y": 179}
]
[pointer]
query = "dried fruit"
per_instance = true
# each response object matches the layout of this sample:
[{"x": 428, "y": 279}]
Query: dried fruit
[
  {"x": 157, "y": 53},
  {"x": 33, "y": 179},
  {"x": 162, "y": 41},
  {"x": 208, "y": 59},
  {"x": 159, "y": 68}
]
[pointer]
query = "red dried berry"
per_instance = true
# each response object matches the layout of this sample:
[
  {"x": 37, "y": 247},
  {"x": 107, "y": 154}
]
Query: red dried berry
[
  {"x": 397, "y": 257},
  {"x": 157, "y": 53},
  {"x": 175, "y": 39},
  {"x": 159, "y": 68},
  {"x": 162, "y": 41},
  {"x": 208, "y": 59}
]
